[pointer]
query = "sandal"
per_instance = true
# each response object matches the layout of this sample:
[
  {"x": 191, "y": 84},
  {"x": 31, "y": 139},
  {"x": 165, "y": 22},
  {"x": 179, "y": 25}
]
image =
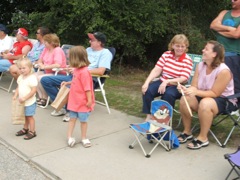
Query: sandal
[
  {"x": 30, "y": 135},
  {"x": 183, "y": 138},
  {"x": 197, "y": 144},
  {"x": 22, "y": 132},
  {"x": 42, "y": 102},
  {"x": 86, "y": 143}
]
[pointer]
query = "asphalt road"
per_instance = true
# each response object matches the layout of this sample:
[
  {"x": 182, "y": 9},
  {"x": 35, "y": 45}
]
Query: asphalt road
[{"x": 13, "y": 167}]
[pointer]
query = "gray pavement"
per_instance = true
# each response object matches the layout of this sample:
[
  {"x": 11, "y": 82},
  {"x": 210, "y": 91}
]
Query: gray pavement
[{"x": 109, "y": 157}]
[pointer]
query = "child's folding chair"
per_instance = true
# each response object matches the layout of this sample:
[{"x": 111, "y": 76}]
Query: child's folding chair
[
  {"x": 158, "y": 129},
  {"x": 234, "y": 160}
]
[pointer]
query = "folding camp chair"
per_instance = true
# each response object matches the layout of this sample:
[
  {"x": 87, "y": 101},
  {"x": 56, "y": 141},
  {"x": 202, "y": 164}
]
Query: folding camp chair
[
  {"x": 195, "y": 59},
  {"x": 234, "y": 160},
  {"x": 101, "y": 81},
  {"x": 233, "y": 63},
  {"x": 159, "y": 128}
]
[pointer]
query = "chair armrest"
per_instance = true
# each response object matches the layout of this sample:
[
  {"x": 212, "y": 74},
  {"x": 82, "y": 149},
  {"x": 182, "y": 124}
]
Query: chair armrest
[
  {"x": 104, "y": 76},
  {"x": 233, "y": 96}
]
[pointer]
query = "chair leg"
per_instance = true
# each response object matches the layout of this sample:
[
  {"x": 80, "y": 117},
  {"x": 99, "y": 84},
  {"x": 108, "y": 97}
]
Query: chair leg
[
  {"x": 236, "y": 124},
  {"x": 8, "y": 89},
  {"x": 47, "y": 103},
  {"x": 103, "y": 95}
]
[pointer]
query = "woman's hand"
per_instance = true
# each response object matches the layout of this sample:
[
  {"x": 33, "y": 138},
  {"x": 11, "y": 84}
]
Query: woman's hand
[
  {"x": 41, "y": 66},
  {"x": 144, "y": 88},
  {"x": 162, "y": 87},
  {"x": 191, "y": 91}
]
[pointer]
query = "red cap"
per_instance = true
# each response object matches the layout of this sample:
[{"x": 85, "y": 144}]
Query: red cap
[{"x": 23, "y": 32}]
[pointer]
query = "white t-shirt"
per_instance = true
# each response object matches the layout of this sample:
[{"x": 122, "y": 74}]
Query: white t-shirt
[
  {"x": 24, "y": 87},
  {"x": 6, "y": 43}
]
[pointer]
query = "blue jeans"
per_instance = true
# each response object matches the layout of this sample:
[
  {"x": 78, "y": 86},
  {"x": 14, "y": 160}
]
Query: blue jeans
[
  {"x": 51, "y": 84},
  {"x": 171, "y": 95},
  {"x": 4, "y": 65}
]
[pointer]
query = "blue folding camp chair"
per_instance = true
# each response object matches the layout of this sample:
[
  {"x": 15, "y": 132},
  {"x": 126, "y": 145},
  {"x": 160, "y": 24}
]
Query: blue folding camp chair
[
  {"x": 234, "y": 160},
  {"x": 158, "y": 129}
]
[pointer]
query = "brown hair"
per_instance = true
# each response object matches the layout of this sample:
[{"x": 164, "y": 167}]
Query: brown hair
[
  {"x": 219, "y": 50},
  {"x": 78, "y": 57},
  {"x": 179, "y": 38},
  {"x": 44, "y": 30},
  {"x": 52, "y": 39}
]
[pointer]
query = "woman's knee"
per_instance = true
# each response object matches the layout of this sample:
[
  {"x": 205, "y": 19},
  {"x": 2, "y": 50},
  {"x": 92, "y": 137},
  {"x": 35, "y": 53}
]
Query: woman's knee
[{"x": 208, "y": 104}]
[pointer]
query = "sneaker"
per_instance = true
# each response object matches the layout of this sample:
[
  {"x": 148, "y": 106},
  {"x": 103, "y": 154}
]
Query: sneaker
[
  {"x": 58, "y": 113},
  {"x": 71, "y": 141},
  {"x": 66, "y": 118}
]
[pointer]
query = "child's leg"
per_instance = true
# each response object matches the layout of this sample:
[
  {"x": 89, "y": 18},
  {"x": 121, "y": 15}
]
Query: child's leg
[
  {"x": 25, "y": 126},
  {"x": 84, "y": 126},
  {"x": 71, "y": 125},
  {"x": 24, "y": 130},
  {"x": 31, "y": 122}
]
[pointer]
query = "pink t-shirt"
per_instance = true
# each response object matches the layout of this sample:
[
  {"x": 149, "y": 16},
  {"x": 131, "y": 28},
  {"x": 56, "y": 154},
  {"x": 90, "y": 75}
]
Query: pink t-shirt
[
  {"x": 206, "y": 81},
  {"x": 81, "y": 82},
  {"x": 57, "y": 56}
]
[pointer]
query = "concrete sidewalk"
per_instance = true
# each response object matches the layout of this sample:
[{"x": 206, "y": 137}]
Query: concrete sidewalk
[{"x": 109, "y": 157}]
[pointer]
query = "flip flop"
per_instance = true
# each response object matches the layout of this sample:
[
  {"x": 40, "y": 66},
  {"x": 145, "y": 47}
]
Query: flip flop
[
  {"x": 197, "y": 144},
  {"x": 184, "y": 138}
]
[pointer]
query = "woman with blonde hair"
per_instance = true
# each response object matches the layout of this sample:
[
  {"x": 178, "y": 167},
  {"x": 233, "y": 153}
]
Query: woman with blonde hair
[{"x": 172, "y": 67}]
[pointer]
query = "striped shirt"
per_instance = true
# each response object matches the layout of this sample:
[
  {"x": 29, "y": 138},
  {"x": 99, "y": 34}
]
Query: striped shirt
[{"x": 172, "y": 68}]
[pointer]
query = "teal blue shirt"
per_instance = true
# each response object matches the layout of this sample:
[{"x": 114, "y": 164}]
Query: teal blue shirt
[{"x": 230, "y": 44}]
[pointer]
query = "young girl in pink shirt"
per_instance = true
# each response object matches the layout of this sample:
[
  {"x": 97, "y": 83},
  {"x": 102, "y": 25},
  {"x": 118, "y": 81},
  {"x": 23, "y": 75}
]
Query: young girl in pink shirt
[{"x": 81, "y": 96}]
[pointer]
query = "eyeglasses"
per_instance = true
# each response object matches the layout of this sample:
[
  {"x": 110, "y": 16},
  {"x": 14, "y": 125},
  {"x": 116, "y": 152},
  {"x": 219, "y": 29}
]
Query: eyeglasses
[{"x": 179, "y": 46}]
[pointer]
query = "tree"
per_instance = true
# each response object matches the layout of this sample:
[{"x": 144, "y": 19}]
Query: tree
[{"x": 140, "y": 30}]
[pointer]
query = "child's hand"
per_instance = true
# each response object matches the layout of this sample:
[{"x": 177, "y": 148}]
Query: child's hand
[
  {"x": 14, "y": 97},
  {"x": 22, "y": 100},
  {"x": 89, "y": 104},
  {"x": 63, "y": 83}
]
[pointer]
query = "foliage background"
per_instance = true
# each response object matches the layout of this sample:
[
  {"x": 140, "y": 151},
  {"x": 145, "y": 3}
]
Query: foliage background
[{"x": 140, "y": 30}]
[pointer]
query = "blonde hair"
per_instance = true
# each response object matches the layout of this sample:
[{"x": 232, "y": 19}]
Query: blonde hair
[
  {"x": 78, "y": 57},
  {"x": 52, "y": 39},
  {"x": 178, "y": 39},
  {"x": 25, "y": 60}
]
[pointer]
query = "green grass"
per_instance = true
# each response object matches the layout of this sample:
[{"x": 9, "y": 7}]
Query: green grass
[{"x": 123, "y": 93}]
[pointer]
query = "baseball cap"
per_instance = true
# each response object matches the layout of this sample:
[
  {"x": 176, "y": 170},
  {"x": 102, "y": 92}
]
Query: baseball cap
[
  {"x": 99, "y": 36},
  {"x": 22, "y": 31},
  {"x": 3, "y": 28}
]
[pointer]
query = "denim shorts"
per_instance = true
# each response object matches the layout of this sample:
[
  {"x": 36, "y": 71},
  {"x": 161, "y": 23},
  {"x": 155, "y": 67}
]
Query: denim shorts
[
  {"x": 223, "y": 105},
  {"x": 30, "y": 110},
  {"x": 82, "y": 116}
]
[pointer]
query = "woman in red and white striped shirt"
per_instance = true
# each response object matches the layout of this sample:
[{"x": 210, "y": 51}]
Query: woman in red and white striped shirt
[{"x": 172, "y": 67}]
